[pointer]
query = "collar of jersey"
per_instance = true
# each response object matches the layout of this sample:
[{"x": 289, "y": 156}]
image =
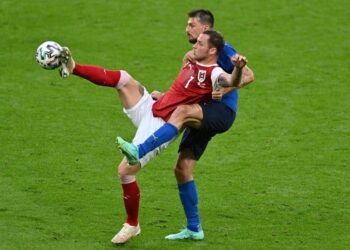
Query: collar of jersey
[{"x": 206, "y": 65}]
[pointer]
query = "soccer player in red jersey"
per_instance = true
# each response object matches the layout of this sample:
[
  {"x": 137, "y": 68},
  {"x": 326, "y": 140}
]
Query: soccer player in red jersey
[{"x": 193, "y": 84}]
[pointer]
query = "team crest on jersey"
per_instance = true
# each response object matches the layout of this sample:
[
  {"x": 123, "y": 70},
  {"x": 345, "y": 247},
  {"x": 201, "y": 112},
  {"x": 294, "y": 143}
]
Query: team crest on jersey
[{"x": 201, "y": 75}]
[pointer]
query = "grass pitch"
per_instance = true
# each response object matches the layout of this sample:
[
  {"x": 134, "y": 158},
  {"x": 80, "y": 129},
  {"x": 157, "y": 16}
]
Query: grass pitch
[{"x": 279, "y": 179}]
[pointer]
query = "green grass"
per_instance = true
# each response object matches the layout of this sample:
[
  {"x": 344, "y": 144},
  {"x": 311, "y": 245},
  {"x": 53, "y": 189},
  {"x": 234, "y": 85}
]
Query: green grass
[{"x": 279, "y": 179}]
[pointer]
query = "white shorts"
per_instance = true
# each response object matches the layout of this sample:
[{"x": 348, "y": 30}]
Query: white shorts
[{"x": 142, "y": 117}]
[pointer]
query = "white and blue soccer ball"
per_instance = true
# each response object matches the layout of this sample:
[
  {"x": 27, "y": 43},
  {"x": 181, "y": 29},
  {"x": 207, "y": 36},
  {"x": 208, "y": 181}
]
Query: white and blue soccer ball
[{"x": 47, "y": 55}]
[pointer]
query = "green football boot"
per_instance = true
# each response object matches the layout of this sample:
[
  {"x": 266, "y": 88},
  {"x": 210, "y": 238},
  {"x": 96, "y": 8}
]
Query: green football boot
[
  {"x": 186, "y": 234},
  {"x": 130, "y": 150}
]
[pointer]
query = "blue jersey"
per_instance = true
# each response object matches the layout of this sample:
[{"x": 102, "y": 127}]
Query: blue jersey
[{"x": 224, "y": 61}]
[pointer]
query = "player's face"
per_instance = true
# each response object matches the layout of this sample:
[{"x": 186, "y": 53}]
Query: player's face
[
  {"x": 201, "y": 48},
  {"x": 194, "y": 28}
]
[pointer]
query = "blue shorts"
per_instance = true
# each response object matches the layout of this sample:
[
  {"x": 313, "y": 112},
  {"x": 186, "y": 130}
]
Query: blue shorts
[{"x": 217, "y": 118}]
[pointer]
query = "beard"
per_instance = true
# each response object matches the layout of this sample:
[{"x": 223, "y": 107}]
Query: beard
[
  {"x": 199, "y": 58},
  {"x": 192, "y": 40}
]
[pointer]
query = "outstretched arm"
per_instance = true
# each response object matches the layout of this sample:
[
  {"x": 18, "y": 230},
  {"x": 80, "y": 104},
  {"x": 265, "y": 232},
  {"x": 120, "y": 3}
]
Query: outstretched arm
[
  {"x": 233, "y": 80},
  {"x": 247, "y": 77}
]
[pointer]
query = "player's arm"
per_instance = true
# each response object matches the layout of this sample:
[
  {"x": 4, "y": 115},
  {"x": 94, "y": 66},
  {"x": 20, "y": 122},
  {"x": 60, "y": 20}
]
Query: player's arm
[
  {"x": 247, "y": 77},
  {"x": 222, "y": 91},
  {"x": 233, "y": 80}
]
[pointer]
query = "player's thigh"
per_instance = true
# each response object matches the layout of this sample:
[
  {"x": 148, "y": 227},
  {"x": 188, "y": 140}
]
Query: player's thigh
[
  {"x": 131, "y": 93},
  {"x": 141, "y": 109},
  {"x": 194, "y": 111},
  {"x": 188, "y": 115},
  {"x": 217, "y": 117}
]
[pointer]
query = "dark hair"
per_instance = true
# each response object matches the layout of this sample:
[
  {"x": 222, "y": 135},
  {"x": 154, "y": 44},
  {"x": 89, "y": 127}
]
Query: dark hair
[
  {"x": 205, "y": 16},
  {"x": 216, "y": 40}
]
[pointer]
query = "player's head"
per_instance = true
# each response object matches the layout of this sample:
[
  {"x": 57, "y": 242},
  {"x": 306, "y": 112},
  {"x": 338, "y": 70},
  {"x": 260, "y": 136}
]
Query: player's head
[
  {"x": 208, "y": 46},
  {"x": 198, "y": 21}
]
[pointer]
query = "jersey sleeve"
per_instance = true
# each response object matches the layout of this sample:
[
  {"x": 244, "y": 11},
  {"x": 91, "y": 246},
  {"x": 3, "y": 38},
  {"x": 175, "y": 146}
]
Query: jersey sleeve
[
  {"x": 229, "y": 50},
  {"x": 214, "y": 77},
  {"x": 224, "y": 59}
]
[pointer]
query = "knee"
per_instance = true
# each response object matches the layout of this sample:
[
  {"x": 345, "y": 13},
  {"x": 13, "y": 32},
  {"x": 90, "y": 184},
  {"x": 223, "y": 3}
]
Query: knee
[
  {"x": 126, "y": 179},
  {"x": 183, "y": 111},
  {"x": 125, "y": 78},
  {"x": 179, "y": 172},
  {"x": 125, "y": 170},
  {"x": 124, "y": 176},
  {"x": 121, "y": 173},
  {"x": 182, "y": 173},
  {"x": 179, "y": 116}
]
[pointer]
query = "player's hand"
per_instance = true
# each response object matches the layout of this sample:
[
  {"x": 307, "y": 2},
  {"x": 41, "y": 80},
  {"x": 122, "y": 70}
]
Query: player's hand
[
  {"x": 217, "y": 94},
  {"x": 156, "y": 94},
  {"x": 239, "y": 61},
  {"x": 189, "y": 56}
]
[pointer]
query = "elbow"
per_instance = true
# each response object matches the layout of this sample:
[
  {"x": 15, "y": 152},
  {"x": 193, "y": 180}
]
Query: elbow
[
  {"x": 248, "y": 77},
  {"x": 247, "y": 80},
  {"x": 251, "y": 78}
]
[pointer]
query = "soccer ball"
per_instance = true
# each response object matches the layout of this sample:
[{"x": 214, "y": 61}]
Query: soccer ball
[{"x": 47, "y": 55}]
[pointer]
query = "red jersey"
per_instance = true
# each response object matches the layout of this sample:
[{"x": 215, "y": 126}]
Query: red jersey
[{"x": 193, "y": 84}]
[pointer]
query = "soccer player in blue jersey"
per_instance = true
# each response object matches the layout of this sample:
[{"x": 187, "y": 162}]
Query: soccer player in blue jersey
[{"x": 203, "y": 121}]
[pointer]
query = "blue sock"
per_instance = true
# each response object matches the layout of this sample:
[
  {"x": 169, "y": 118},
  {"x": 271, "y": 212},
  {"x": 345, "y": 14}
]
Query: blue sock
[
  {"x": 164, "y": 134},
  {"x": 189, "y": 200}
]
